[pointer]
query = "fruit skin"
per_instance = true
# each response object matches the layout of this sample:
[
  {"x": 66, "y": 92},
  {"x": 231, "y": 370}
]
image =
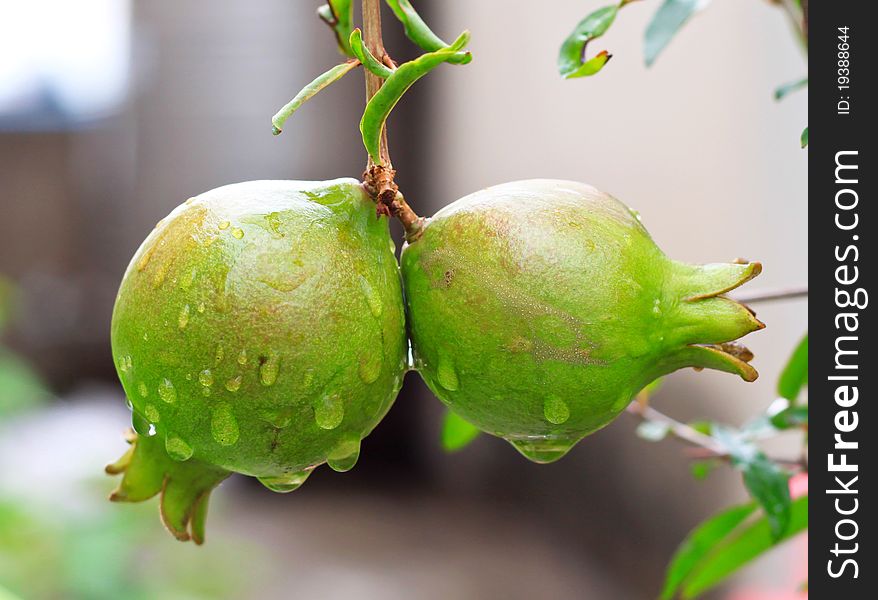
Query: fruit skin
[
  {"x": 538, "y": 309},
  {"x": 259, "y": 329}
]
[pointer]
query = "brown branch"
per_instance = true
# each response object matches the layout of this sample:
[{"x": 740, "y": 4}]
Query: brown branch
[
  {"x": 379, "y": 179},
  {"x": 790, "y": 293}
]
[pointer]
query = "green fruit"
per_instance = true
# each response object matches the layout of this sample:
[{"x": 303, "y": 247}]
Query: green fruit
[
  {"x": 538, "y": 309},
  {"x": 258, "y": 330}
]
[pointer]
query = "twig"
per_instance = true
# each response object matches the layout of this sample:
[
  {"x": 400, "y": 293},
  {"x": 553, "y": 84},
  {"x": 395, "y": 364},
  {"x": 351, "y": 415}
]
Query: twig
[
  {"x": 705, "y": 446},
  {"x": 379, "y": 179},
  {"x": 770, "y": 295}
]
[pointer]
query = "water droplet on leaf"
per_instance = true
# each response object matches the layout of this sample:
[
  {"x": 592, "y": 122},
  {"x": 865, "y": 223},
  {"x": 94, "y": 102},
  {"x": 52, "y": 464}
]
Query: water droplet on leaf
[
  {"x": 542, "y": 450},
  {"x": 223, "y": 425},
  {"x": 555, "y": 410},
  {"x": 152, "y": 413},
  {"x": 285, "y": 483},
  {"x": 344, "y": 456},
  {"x": 269, "y": 369},
  {"x": 329, "y": 412},
  {"x": 446, "y": 374},
  {"x": 167, "y": 392},
  {"x": 205, "y": 378},
  {"x": 234, "y": 384},
  {"x": 183, "y": 319},
  {"x": 177, "y": 448},
  {"x": 370, "y": 366},
  {"x": 238, "y": 232}
]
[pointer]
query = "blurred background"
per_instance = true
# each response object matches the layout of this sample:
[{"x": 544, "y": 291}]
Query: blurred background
[{"x": 112, "y": 112}]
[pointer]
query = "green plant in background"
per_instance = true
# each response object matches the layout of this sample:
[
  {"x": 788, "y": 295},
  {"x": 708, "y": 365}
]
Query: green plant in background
[
  {"x": 20, "y": 387},
  {"x": 537, "y": 310}
]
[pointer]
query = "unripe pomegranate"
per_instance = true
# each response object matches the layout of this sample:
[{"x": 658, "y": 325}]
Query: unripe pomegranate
[
  {"x": 258, "y": 330},
  {"x": 539, "y": 308}
]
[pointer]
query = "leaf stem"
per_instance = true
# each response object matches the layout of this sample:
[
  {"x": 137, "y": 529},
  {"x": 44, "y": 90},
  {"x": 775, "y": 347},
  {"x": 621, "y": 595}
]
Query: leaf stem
[{"x": 378, "y": 179}]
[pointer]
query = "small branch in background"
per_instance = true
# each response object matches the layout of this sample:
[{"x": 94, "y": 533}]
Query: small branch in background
[
  {"x": 798, "y": 16},
  {"x": 791, "y": 293},
  {"x": 704, "y": 446}
]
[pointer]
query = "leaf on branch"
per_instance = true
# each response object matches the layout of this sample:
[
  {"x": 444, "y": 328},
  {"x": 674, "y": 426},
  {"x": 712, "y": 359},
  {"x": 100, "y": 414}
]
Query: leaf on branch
[
  {"x": 653, "y": 431},
  {"x": 795, "y": 374},
  {"x": 418, "y": 32},
  {"x": 804, "y": 138},
  {"x": 309, "y": 91},
  {"x": 457, "y": 433},
  {"x": 339, "y": 15},
  {"x": 367, "y": 58},
  {"x": 571, "y": 58},
  {"x": 666, "y": 23},
  {"x": 397, "y": 84},
  {"x": 788, "y": 88},
  {"x": 739, "y": 548},
  {"x": 767, "y": 482},
  {"x": 794, "y": 416}
]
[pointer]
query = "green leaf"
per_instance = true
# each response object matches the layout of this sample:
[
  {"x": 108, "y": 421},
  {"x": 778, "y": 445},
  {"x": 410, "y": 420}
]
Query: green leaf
[
  {"x": 795, "y": 374},
  {"x": 571, "y": 58},
  {"x": 804, "y": 138},
  {"x": 20, "y": 387},
  {"x": 339, "y": 15},
  {"x": 702, "y": 468},
  {"x": 653, "y": 431},
  {"x": 418, "y": 32},
  {"x": 789, "y": 88},
  {"x": 457, "y": 433},
  {"x": 740, "y": 548},
  {"x": 309, "y": 91},
  {"x": 668, "y": 19},
  {"x": 379, "y": 107},
  {"x": 366, "y": 58},
  {"x": 700, "y": 543},
  {"x": 767, "y": 483},
  {"x": 793, "y": 416}
]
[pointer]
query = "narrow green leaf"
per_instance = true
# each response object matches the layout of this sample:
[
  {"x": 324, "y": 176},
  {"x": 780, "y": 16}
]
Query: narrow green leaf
[
  {"x": 339, "y": 15},
  {"x": 699, "y": 544},
  {"x": 366, "y": 58},
  {"x": 767, "y": 483},
  {"x": 418, "y": 32},
  {"x": 379, "y": 107},
  {"x": 668, "y": 19},
  {"x": 804, "y": 138},
  {"x": 653, "y": 431},
  {"x": 571, "y": 58},
  {"x": 793, "y": 416},
  {"x": 309, "y": 91},
  {"x": 740, "y": 548},
  {"x": 795, "y": 374},
  {"x": 457, "y": 433},
  {"x": 789, "y": 88}
]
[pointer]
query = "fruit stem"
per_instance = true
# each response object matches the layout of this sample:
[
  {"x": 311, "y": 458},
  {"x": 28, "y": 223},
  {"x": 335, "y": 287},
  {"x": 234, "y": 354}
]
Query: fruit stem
[{"x": 378, "y": 179}]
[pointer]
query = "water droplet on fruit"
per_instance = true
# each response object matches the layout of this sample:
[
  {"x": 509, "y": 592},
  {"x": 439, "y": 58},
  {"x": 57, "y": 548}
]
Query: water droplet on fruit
[
  {"x": 223, "y": 425},
  {"x": 542, "y": 449},
  {"x": 201, "y": 307},
  {"x": 167, "y": 392},
  {"x": 152, "y": 413},
  {"x": 370, "y": 366},
  {"x": 125, "y": 363},
  {"x": 446, "y": 374},
  {"x": 140, "y": 424},
  {"x": 144, "y": 391},
  {"x": 159, "y": 277},
  {"x": 269, "y": 369},
  {"x": 242, "y": 357},
  {"x": 273, "y": 220},
  {"x": 144, "y": 260},
  {"x": 224, "y": 225},
  {"x": 555, "y": 410},
  {"x": 657, "y": 307},
  {"x": 151, "y": 430},
  {"x": 177, "y": 449},
  {"x": 187, "y": 280},
  {"x": 183, "y": 319},
  {"x": 234, "y": 384},
  {"x": 329, "y": 412},
  {"x": 145, "y": 337},
  {"x": 344, "y": 456},
  {"x": 220, "y": 354},
  {"x": 238, "y": 232},
  {"x": 205, "y": 378},
  {"x": 285, "y": 483},
  {"x": 372, "y": 297}
]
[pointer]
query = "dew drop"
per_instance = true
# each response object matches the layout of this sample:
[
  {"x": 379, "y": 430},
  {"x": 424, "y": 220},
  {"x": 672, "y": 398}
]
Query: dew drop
[
  {"x": 201, "y": 307},
  {"x": 140, "y": 424},
  {"x": 224, "y": 225},
  {"x": 144, "y": 260},
  {"x": 125, "y": 363},
  {"x": 555, "y": 410},
  {"x": 177, "y": 449},
  {"x": 238, "y": 233},
  {"x": 183, "y": 319},
  {"x": 329, "y": 412},
  {"x": 151, "y": 413},
  {"x": 234, "y": 384},
  {"x": 206, "y": 391},
  {"x": 242, "y": 357},
  {"x": 446, "y": 374},
  {"x": 167, "y": 392},
  {"x": 220, "y": 354},
  {"x": 144, "y": 391},
  {"x": 344, "y": 456},
  {"x": 370, "y": 366},
  {"x": 159, "y": 277},
  {"x": 542, "y": 450},
  {"x": 187, "y": 280},
  {"x": 223, "y": 425},
  {"x": 269, "y": 369},
  {"x": 145, "y": 337},
  {"x": 372, "y": 297},
  {"x": 151, "y": 430},
  {"x": 205, "y": 378},
  {"x": 285, "y": 483}
]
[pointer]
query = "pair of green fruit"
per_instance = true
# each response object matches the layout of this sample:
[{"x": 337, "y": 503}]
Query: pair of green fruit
[{"x": 261, "y": 328}]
